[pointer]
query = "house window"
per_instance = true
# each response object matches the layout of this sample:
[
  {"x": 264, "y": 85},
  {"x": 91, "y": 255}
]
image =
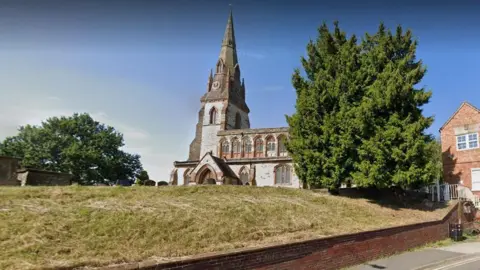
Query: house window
[
  {"x": 213, "y": 116},
  {"x": 236, "y": 146},
  {"x": 467, "y": 141},
  {"x": 283, "y": 175},
  {"x": 248, "y": 146},
  {"x": 225, "y": 148}
]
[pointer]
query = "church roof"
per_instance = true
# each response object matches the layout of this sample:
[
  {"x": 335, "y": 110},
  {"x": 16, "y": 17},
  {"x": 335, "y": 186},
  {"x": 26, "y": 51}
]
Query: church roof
[{"x": 226, "y": 170}]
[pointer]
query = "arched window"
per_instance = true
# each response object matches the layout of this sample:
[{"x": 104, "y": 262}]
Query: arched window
[
  {"x": 236, "y": 147},
  {"x": 258, "y": 147},
  {"x": 225, "y": 148},
  {"x": 213, "y": 116},
  {"x": 247, "y": 146},
  {"x": 282, "y": 150},
  {"x": 238, "y": 121},
  {"x": 271, "y": 146},
  {"x": 283, "y": 175},
  {"x": 244, "y": 175}
]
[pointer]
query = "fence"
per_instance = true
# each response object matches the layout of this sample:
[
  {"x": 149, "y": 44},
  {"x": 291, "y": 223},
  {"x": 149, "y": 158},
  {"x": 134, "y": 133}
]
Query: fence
[{"x": 447, "y": 192}]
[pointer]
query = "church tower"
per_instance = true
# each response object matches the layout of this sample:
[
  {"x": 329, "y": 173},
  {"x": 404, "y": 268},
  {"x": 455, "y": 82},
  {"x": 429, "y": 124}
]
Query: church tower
[{"x": 223, "y": 105}]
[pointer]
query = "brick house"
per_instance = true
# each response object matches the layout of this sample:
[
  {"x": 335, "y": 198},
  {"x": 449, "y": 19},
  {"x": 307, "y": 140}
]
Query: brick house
[{"x": 460, "y": 147}]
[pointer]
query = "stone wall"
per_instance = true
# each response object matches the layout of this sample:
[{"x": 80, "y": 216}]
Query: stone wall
[
  {"x": 209, "y": 131},
  {"x": 8, "y": 171},
  {"x": 335, "y": 252},
  {"x": 32, "y": 177},
  {"x": 264, "y": 173},
  {"x": 231, "y": 117}
]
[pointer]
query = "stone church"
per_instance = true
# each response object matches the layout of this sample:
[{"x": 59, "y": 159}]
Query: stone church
[{"x": 225, "y": 149}]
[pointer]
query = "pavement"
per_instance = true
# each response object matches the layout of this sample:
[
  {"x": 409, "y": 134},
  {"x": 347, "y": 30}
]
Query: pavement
[{"x": 460, "y": 256}]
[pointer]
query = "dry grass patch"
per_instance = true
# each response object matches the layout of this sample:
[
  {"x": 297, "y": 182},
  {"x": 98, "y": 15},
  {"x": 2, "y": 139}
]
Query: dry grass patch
[{"x": 78, "y": 226}]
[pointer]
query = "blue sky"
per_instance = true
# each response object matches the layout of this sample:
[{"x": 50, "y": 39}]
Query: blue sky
[{"x": 141, "y": 66}]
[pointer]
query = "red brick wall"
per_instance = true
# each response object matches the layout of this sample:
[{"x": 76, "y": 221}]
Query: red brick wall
[
  {"x": 326, "y": 253},
  {"x": 459, "y": 167}
]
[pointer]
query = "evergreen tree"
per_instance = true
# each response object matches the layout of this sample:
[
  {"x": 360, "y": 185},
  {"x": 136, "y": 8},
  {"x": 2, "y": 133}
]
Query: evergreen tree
[{"x": 358, "y": 113}]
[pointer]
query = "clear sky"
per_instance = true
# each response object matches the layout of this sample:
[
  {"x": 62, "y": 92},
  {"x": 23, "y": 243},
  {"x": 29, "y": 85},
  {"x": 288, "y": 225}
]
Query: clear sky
[{"x": 142, "y": 66}]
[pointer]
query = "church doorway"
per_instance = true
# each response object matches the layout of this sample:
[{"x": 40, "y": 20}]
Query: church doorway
[{"x": 207, "y": 177}]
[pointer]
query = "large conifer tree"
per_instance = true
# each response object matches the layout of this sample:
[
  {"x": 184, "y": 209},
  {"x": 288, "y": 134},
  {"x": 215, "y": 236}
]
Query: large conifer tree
[{"x": 358, "y": 113}]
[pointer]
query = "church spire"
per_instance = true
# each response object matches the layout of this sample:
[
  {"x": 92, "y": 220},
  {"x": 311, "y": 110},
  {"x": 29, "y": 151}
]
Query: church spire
[
  {"x": 229, "y": 36},
  {"x": 228, "y": 52}
]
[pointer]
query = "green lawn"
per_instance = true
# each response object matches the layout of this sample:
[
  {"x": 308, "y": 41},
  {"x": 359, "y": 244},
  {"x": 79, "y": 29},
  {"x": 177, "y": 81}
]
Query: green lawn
[{"x": 77, "y": 226}]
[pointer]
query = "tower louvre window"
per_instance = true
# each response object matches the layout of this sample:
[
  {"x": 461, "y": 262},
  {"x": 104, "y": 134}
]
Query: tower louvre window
[{"x": 213, "y": 116}]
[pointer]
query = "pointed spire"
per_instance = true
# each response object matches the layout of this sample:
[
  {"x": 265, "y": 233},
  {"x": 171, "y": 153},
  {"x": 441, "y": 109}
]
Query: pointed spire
[
  {"x": 229, "y": 36},
  {"x": 228, "y": 53}
]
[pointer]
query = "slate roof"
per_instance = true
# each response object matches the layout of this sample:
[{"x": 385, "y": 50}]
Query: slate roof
[{"x": 226, "y": 170}]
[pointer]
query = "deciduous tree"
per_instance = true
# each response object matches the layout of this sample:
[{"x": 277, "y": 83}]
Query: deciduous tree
[{"x": 78, "y": 144}]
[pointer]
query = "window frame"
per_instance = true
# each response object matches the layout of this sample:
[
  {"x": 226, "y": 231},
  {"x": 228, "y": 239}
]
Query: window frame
[
  {"x": 236, "y": 146},
  {"x": 271, "y": 145},
  {"x": 285, "y": 170},
  {"x": 248, "y": 146},
  {"x": 225, "y": 144},
  {"x": 467, "y": 141},
  {"x": 282, "y": 149},
  {"x": 259, "y": 145}
]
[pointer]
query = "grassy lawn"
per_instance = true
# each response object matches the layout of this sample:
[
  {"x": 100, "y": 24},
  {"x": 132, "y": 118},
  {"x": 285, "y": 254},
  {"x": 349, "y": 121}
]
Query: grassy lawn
[{"x": 77, "y": 226}]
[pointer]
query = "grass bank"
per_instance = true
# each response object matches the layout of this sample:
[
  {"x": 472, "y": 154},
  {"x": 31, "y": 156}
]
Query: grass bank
[{"x": 78, "y": 226}]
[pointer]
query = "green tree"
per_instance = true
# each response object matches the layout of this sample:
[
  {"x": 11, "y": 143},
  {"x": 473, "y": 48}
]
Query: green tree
[
  {"x": 142, "y": 177},
  {"x": 358, "y": 113},
  {"x": 435, "y": 153},
  {"x": 78, "y": 145}
]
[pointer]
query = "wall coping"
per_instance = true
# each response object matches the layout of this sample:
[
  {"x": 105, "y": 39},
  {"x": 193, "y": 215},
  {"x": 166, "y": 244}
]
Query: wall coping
[{"x": 41, "y": 171}]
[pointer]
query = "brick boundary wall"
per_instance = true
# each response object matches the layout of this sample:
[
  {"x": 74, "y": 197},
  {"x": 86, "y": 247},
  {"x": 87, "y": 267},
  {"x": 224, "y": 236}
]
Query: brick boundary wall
[{"x": 334, "y": 252}]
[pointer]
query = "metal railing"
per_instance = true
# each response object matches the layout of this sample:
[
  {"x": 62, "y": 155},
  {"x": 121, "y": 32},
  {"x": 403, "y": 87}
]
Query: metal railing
[{"x": 447, "y": 192}]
